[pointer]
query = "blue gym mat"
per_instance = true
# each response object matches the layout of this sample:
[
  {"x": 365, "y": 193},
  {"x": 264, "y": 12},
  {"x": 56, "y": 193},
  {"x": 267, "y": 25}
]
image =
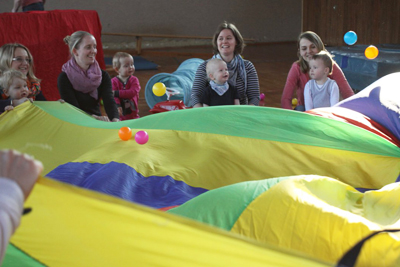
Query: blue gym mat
[
  {"x": 361, "y": 71},
  {"x": 139, "y": 62}
]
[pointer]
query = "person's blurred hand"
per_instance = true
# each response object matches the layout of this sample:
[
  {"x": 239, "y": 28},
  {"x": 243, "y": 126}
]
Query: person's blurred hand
[
  {"x": 21, "y": 168},
  {"x": 101, "y": 118},
  {"x": 8, "y": 108}
]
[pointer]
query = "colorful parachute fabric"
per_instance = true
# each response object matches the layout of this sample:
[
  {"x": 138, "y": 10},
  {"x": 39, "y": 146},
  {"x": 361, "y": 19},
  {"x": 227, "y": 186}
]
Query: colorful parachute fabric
[
  {"x": 205, "y": 148},
  {"x": 376, "y": 108},
  {"x": 380, "y": 102},
  {"x": 189, "y": 153},
  {"x": 70, "y": 226},
  {"x": 319, "y": 216}
]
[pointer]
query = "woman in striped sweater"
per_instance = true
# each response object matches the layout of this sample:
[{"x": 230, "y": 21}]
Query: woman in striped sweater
[{"x": 228, "y": 44}]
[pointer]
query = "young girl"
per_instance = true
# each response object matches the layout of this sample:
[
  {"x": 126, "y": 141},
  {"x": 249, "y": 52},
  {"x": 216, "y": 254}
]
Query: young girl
[
  {"x": 219, "y": 92},
  {"x": 17, "y": 56},
  {"x": 125, "y": 86},
  {"x": 15, "y": 88},
  {"x": 321, "y": 91}
]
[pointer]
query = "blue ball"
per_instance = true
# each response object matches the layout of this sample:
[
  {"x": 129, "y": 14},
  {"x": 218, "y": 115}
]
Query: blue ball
[{"x": 350, "y": 38}]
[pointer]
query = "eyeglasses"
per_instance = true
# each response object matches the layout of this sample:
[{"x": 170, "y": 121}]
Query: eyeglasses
[{"x": 22, "y": 60}]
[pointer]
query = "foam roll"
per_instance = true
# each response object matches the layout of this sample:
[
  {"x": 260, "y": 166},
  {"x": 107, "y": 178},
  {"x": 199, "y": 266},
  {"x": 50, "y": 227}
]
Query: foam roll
[{"x": 180, "y": 80}]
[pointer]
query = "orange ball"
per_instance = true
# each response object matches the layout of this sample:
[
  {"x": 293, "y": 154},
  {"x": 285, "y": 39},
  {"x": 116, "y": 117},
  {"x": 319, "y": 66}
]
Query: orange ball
[
  {"x": 371, "y": 52},
  {"x": 125, "y": 133}
]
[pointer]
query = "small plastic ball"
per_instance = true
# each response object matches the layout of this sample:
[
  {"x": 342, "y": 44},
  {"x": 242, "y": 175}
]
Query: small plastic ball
[
  {"x": 141, "y": 137},
  {"x": 371, "y": 52},
  {"x": 125, "y": 133},
  {"x": 350, "y": 37},
  {"x": 159, "y": 89}
]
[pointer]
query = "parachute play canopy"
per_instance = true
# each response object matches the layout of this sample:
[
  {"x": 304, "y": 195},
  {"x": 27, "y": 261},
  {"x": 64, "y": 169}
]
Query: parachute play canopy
[
  {"x": 380, "y": 102},
  {"x": 234, "y": 144},
  {"x": 181, "y": 80},
  {"x": 69, "y": 226},
  {"x": 191, "y": 153},
  {"x": 323, "y": 217}
]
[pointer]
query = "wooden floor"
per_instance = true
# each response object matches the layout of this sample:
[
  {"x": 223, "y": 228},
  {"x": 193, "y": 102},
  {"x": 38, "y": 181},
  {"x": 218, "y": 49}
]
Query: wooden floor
[{"x": 272, "y": 62}]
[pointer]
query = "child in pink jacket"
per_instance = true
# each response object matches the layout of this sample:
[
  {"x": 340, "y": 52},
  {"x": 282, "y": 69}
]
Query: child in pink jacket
[{"x": 125, "y": 86}]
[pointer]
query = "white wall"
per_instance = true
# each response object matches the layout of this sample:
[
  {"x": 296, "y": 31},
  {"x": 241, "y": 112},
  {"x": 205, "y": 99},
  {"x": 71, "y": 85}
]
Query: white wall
[{"x": 263, "y": 20}]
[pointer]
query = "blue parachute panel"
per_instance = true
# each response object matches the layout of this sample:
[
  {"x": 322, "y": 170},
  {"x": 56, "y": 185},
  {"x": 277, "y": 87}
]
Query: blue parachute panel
[{"x": 123, "y": 181}]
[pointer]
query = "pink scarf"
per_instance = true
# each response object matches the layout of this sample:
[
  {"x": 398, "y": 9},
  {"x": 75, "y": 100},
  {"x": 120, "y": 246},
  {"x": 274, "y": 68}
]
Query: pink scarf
[{"x": 83, "y": 81}]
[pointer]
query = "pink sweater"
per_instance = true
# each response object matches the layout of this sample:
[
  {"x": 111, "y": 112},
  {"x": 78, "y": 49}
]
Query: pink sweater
[
  {"x": 296, "y": 81},
  {"x": 128, "y": 91}
]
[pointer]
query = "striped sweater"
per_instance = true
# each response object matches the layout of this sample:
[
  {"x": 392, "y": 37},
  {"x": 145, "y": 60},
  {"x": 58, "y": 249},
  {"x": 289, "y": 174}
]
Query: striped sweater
[{"x": 249, "y": 95}]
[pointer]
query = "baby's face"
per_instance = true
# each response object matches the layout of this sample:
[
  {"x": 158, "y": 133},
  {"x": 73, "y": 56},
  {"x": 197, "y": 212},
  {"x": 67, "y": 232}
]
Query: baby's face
[
  {"x": 18, "y": 89},
  {"x": 317, "y": 69},
  {"x": 220, "y": 73},
  {"x": 127, "y": 68}
]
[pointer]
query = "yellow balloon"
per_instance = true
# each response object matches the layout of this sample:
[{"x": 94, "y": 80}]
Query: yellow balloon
[
  {"x": 371, "y": 52},
  {"x": 159, "y": 89}
]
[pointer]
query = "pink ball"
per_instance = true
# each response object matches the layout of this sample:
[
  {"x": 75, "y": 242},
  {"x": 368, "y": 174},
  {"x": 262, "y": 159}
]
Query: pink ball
[
  {"x": 262, "y": 96},
  {"x": 141, "y": 137}
]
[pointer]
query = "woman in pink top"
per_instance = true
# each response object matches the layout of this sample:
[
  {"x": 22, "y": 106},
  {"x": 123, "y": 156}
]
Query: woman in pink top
[{"x": 309, "y": 43}]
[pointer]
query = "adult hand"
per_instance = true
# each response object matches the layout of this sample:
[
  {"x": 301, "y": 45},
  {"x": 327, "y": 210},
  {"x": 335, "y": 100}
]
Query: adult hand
[
  {"x": 120, "y": 111},
  {"x": 8, "y": 108},
  {"x": 101, "y": 118},
  {"x": 21, "y": 168},
  {"x": 62, "y": 101}
]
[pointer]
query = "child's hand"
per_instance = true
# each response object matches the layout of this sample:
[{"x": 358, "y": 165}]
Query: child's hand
[
  {"x": 8, "y": 108},
  {"x": 120, "y": 111}
]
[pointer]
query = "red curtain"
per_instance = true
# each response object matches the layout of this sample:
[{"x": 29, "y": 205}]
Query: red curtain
[{"x": 43, "y": 33}]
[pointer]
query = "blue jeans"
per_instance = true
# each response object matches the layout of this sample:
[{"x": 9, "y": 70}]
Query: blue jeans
[
  {"x": 34, "y": 7},
  {"x": 300, "y": 108}
]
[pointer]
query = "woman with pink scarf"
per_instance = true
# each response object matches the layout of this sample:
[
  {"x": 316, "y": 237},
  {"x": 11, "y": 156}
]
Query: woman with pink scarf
[{"x": 82, "y": 83}]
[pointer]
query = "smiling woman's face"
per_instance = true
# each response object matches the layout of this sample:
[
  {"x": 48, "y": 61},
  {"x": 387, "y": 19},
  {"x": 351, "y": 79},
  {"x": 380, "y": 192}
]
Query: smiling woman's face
[
  {"x": 226, "y": 43},
  {"x": 307, "y": 49},
  {"x": 21, "y": 60},
  {"x": 85, "y": 55}
]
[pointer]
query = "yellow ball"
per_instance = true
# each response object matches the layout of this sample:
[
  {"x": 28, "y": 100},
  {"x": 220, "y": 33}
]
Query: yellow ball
[
  {"x": 371, "y": 52},
  {"x": 294, "y": 102},
  {"x": 159, "y": 89}
]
